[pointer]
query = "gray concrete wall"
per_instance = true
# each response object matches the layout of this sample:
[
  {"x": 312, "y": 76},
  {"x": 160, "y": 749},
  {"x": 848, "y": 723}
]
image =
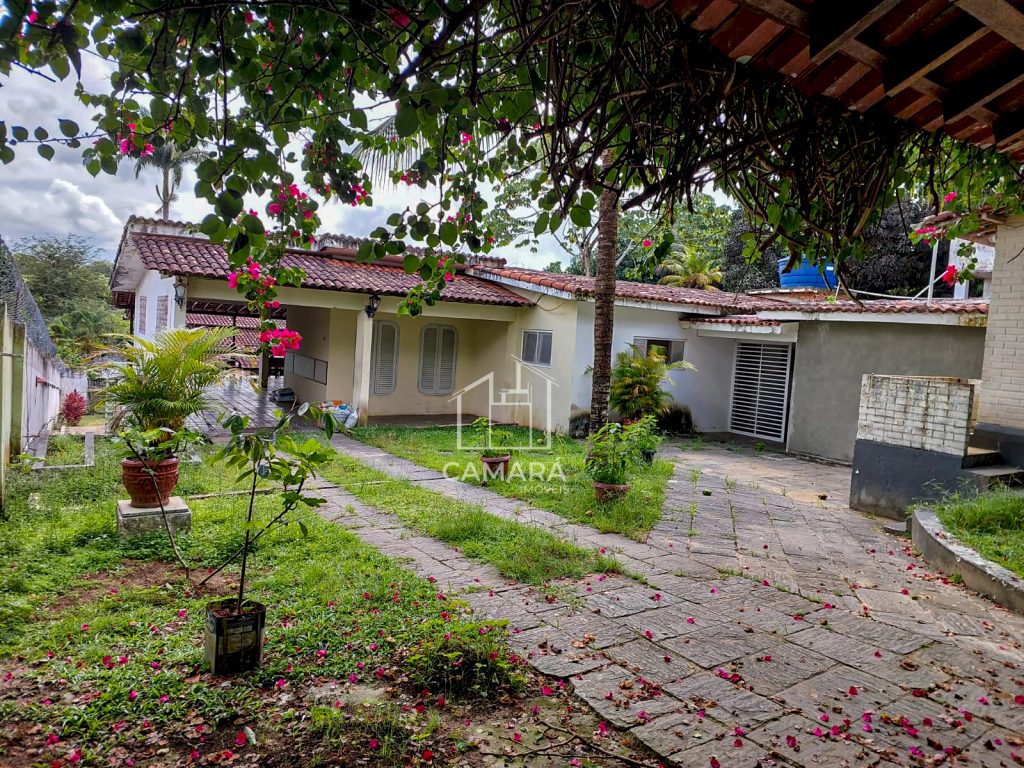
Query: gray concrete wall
[{"x": 832, "y": 357}]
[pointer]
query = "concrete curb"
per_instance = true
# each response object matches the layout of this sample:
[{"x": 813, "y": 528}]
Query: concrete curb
[{"x": 941, "y": 549}]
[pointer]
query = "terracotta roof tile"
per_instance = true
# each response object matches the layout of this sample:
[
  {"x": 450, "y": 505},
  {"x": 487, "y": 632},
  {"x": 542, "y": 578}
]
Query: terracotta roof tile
[
  {"x": 887, "y": 306},
  {"x": 738, "y": 320},
  {"x": 581, "y": 286},
  {"x": 195, "y": 257}
]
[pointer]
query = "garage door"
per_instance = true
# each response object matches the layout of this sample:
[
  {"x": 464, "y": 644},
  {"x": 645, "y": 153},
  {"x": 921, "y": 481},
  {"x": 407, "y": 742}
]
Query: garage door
[{"x": 760, "y": 390}]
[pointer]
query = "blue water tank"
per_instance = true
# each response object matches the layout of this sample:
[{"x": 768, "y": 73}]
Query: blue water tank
[{"x": 806, "y": 275}]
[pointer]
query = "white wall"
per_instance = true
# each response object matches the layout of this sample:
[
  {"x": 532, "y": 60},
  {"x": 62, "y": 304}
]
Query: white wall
[
  {"x": 705, "y": 391},
  {"x": 152, "y": 286}
]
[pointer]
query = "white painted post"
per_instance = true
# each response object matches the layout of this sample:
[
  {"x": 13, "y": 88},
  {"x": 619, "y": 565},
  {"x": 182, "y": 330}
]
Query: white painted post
[
  {"x": 361, "y": 367},
  {"x": 931, "y": 272}
]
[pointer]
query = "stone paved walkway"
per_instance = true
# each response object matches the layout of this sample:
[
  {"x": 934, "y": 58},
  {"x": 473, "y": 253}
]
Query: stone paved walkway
[{"x": 771, "y": 625}]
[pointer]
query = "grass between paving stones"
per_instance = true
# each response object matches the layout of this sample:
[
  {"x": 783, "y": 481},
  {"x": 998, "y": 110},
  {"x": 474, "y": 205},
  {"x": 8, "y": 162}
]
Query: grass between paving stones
[
  {"x": 991, "y": 523},
  {"x": 100, "y": 637},
  {"x": 568, "y": 492},
  {"x": 525, "y": 553},
  {"x": 62, "y": 450}
]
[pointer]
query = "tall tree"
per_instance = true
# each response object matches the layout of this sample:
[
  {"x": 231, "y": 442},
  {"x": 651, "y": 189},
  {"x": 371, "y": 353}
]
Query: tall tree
[
  {"x": 171, "y": 162},
  {"x": 604, "y": 304},
  {"x": 63, "y": 273},
  {"x": 689, "y": 268}
]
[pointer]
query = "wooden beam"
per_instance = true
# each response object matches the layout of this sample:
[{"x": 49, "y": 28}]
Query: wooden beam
[
  {"x": 981, "y": 89},
  {"x": 999, "y": 16},
  {"x": 917, "y": 61},
  {"x": 832, "y": 29},
  {"x": 1009, "y": 129}
]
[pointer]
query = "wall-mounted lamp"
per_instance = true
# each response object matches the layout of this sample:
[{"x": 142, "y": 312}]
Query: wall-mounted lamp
[
  {"x": 179, "y": 292},
  {"x": 371, "y": 306}
]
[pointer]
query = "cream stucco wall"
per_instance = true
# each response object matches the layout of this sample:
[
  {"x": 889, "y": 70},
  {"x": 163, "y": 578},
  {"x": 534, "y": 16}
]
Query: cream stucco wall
[{"x": 1002, "y": 388}]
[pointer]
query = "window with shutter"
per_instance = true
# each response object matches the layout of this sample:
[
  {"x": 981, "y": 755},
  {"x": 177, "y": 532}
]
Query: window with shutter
[
  {"x": 537, "y": 347},
  {"x": 760, "y": 390},
  {"x": 140, "y": 322},
  {"x": 383, "y": 358},
  {"x": 438, "y": 345},
  {"x": 671, "y": 350},
  {"x": 161, "y": 312}
]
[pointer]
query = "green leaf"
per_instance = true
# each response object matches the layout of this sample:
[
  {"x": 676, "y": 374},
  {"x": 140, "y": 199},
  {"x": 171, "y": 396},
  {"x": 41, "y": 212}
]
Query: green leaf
[
  {"x": 19, "y": 132},
  {"x": 45, "y": 151},
  {"x": 588, "y": 201},
  {"x": 303, "y": 529},
  {"x": 68, "y": 127},
  {"x": 229, "y": 204},
  {"x": 410, "y": 263},
  {"x": 41, "y": 133},
  {"x": 579, "y": 216},
  {"x": 407, "y": 121},
  {"x": 449, "y": 233},
  {"x": 541, "y": 224},
  {"x": 358, "y": 119}
]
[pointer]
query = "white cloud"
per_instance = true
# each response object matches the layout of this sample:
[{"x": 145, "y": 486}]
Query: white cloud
[{"x": 82, "y": 212}]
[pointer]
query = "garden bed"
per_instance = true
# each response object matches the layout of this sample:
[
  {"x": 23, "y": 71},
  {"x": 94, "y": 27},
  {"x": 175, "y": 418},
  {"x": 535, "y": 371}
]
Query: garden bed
[
  {"x": 991, "y": 523},
  {"x": 65, "y": 450},
  {"x": 552, "y": 479}
]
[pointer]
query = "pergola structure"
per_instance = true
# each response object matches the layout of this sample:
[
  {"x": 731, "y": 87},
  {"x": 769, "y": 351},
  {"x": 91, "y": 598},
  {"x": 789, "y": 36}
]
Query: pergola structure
[
  {"x": 942, "y": 65},
  {"x": 952, "y": 65}
]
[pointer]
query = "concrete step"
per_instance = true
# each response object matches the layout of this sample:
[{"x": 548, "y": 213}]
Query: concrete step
[
  {"x": 981, "y": 457},
  {"x": 999, "y": 474}
]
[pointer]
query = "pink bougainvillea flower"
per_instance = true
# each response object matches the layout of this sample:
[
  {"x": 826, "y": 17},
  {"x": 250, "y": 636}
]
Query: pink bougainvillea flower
[
  {"x": 194, "y": 754},
  {"x": 547, "y": 691},
  {"x": 950, "y": 275},
  {"x": 465, "y": 138},
  {"x": 714, "y": 762},
  {"x": 147, "y": 150},
  {"x": 648, "y": 242},
  {"x": 125, "y": 146},
  {"x": 75, "y": 757},
  {"x": 32, "y": 17},
  {"x": 274, "y": 209},
  {"x": 51, "y": 739},
  {"x": 398, "y": 18},
  {"x": 182, "y": 614},
  {"x": 240, "y": 739},
  {"x": 133, "y": 695},
  {"x": 281, "y": 683},
  {"x": 85, "y": 627},
  {"x": 950, "y": 197},
  {"x": 791, "y": 741},
  {"x": 602, "y": 728},
  {"x": 517, "y": 737},
  {"x": 1019, "y": 699},
  {"x": 374, "y": 743},
  {"x": 233, "y": 280}
]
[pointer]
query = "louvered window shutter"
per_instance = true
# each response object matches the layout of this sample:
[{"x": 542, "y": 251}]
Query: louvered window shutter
[
  {"x": 760, "y": 390},
  {"x": 384, "y": 358},
  {"x": 437, "y": 359}
]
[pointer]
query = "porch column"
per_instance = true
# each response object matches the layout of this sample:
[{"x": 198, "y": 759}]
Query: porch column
[
  {"x": 1001, "y": 407},
  {"x": 361, "y": 367}
]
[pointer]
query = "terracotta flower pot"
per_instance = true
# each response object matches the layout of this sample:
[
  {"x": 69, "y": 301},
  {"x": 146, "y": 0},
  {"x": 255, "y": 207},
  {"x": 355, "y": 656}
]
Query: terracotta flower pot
[
  {"x": 138, "y": 483},
  {"x": 496, "y": 466},
  {"x": 606, "y": 491}
]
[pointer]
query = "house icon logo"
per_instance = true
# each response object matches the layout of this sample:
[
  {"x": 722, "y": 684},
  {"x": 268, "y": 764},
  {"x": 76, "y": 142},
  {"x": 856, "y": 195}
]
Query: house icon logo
[{"x": 517, "y": 403}]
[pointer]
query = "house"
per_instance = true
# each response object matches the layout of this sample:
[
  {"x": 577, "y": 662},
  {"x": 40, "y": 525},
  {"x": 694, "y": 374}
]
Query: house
[{"x": 785, "y": 371}]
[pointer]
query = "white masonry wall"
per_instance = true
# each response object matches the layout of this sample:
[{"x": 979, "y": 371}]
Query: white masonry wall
[
  {"x": 1002, "y": 389},
  {"x": 930, "y": 413}
]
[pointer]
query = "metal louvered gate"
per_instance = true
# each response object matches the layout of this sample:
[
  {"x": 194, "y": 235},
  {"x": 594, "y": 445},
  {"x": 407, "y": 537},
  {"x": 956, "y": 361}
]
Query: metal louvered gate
[{"x": 760, "y": 390}]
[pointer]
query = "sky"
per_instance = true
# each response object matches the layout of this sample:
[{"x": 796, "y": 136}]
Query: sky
[{"x": 59, "y": 197}]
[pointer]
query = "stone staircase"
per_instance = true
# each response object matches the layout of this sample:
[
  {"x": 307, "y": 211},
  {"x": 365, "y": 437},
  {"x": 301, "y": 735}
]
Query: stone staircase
[{"x": 989, "y": 469}]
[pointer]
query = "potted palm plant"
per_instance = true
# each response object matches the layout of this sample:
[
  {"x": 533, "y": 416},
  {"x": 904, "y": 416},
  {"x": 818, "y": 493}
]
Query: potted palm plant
[
  {"x": 636, "y": 388},
  {"x": 155, "y": 387},
  {"x": 610, "y": 456}
]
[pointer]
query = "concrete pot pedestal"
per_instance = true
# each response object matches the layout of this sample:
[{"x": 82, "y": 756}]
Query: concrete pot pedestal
[{"x": 132, "y": 521}]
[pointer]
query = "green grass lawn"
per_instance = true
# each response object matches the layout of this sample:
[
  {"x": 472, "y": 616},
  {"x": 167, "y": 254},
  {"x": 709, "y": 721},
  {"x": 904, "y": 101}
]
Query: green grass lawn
[
  {"x": 991, "y": 523},
  {"x": 633, "y": 515},
  {"x": 522, "y": 552},
  {"x": 100, "y": 637},
  {"x": 62, "y": 450}
]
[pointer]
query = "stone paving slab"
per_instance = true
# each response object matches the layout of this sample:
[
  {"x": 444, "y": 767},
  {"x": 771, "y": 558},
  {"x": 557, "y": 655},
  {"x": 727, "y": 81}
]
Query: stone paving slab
[{"x": 833, "y": 615}]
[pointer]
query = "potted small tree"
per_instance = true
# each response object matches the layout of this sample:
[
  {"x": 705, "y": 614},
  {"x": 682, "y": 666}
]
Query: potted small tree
[
  {"x": 233, "y": 640},
  {"x": 497, "y": 451},
  {"x": 642, "y": 436},
  {"x": 610, "y": 456},
  {"x": 156, "y": 386},
  {"x": 636, "y": 387}
]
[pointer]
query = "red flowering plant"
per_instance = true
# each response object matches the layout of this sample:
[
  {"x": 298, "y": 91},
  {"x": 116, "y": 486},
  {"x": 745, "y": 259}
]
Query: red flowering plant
[
  {"x": 260, "y": 267},
  {"x": 952, "y": 222}
]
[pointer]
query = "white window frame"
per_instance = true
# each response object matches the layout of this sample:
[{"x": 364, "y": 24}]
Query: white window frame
[
  {"x": 676, "y": 351},
  {"x": 374, "y": 356},
  {"x": 436, "y": 390},
  {"x": 539, "y": 333}
]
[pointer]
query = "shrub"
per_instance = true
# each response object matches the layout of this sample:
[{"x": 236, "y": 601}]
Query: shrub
[
  {"x": 73, "y": 408},
  {"x": 610, "y": 455},
  {"x": 641, "y": 436},
  {"x": 677, "y": 420},
  {"x": 636, "y": 382}
]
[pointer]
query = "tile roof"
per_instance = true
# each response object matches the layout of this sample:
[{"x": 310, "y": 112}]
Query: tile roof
[
  {"x": 738, "y": 320},
  {"x": 195, "y": 257},
  {"x": 201, "y": 319},
  {"x": 886, "y": 306},
  {"x": 581, "y": 286}
]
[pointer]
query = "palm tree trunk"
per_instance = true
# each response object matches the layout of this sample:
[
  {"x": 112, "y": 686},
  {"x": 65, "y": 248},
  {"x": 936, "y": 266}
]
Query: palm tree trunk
[
  {"x": 165, "y": 197},
  {"x": 604, "y": 306}
]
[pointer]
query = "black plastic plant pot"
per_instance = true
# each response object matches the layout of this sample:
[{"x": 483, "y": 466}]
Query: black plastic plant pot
[{"x": 234, "y": 641}]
